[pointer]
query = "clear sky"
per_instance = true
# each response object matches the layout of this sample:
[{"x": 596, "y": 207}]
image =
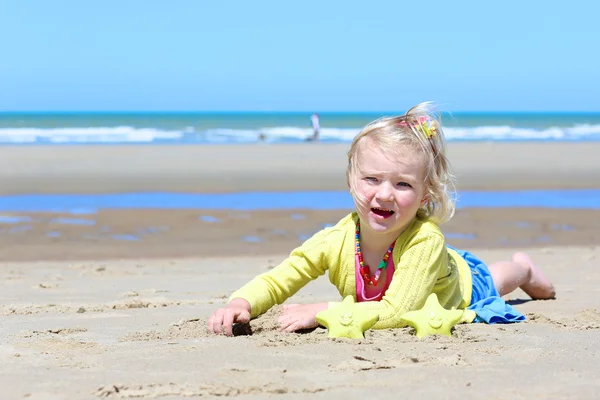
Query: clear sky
[{"x": 322, "y": 55}]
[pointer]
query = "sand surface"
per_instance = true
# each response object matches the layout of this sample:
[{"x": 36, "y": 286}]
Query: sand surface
[
  {"x": 264, "y": 167},
  {"x": 135, "y": 234},
  {"x": 116, "y": 306},
  {"x": 136, "y": 329}
]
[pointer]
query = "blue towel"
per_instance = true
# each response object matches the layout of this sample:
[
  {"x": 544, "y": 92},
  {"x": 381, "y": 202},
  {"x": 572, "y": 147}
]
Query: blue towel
[{"x": 485, "y": 300}]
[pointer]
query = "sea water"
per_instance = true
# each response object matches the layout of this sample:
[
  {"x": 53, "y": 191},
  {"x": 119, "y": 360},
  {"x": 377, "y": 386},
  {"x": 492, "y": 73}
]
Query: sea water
[{"x": 225, "y": 127}]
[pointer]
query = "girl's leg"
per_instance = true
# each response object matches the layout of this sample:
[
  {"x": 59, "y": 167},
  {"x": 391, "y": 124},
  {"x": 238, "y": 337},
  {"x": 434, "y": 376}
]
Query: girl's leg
[{"x": 521, "y": 272}]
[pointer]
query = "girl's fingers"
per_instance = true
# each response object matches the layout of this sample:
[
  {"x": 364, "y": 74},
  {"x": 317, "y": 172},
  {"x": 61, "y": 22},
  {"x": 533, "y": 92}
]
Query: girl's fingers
[
  {"x": 287, "y": 323},
  {"x": 216, "y": 322},
  {"x": 220, "y": 322},
  {"x": 292, "y": 327},
  {"x": 283, "y": 321},
  {"x": 228, "y": 322}
]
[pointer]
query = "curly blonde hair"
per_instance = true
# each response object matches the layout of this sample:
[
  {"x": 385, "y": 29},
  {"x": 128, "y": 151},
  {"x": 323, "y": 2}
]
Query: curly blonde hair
[{"x": 421, "y": 129}]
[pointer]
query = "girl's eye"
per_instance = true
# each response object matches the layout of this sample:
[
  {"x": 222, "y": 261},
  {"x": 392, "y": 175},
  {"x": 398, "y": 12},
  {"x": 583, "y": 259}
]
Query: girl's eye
[
  {"x": 370, "y": 179},
  {"x": 404, "y": 184}
]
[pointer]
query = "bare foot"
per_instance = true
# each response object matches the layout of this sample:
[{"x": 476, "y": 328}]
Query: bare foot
[{"x": 538, "y": 286}]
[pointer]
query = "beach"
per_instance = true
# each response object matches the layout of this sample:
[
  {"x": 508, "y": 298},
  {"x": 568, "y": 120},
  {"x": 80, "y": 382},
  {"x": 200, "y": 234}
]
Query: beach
[
  {"x": 278, "y": 167},
  {"x": 116, "y": 307}
]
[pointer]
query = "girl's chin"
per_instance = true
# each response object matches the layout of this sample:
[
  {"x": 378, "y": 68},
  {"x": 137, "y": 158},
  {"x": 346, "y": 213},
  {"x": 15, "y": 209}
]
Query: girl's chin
[{"x": 380, "y": 224}]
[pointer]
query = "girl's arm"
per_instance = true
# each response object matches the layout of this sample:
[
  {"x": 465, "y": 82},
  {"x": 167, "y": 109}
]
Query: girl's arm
[{"x": 304, "y": 264}]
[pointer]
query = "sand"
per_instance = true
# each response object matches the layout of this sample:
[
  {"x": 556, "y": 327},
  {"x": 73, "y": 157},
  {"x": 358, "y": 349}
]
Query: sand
[
  {"x": 264, "y": 167},
  {"x": 84, "y": 314},
  {"x": 136, "y": 329},
  {"x": 132, "y": 234}
]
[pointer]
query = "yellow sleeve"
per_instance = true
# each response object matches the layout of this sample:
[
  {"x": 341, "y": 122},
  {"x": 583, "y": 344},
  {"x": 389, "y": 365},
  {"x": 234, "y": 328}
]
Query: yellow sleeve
[
  {"x": 304, "y": 264},
  {"x": 414, "y": 278}
]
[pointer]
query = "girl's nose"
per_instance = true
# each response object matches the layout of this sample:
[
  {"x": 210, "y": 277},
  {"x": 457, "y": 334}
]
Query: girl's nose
[{"x": 385, "y": 192}]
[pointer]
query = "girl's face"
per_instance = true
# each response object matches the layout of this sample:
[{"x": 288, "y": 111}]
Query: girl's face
[{"x": 389, "y": 187}]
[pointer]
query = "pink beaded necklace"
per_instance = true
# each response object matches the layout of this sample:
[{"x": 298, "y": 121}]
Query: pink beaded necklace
[{"x": 365, "y": 272}]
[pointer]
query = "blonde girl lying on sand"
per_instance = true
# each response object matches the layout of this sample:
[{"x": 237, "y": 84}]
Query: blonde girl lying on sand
[{"x": 390, "y": 253}]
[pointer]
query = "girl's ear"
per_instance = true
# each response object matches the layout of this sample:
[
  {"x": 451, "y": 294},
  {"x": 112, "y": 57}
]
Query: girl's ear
[{"x": 424, "y": 200}]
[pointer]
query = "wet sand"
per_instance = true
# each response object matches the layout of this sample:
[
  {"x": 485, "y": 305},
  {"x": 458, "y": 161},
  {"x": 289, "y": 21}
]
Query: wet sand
[{"x": 208, "y": 233}]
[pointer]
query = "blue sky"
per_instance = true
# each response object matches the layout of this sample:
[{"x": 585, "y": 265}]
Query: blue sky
[{"x": 195, "y": 55}]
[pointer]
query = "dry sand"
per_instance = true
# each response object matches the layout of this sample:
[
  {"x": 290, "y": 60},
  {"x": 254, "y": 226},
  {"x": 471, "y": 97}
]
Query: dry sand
[
  {"x": 130, "y": 321},
  {"x": 136, "y": 329},
  {"x": 258, "y": 167}
]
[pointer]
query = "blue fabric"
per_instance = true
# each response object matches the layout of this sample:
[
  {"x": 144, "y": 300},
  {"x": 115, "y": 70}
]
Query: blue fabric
[{"x": 485, "y": 300}]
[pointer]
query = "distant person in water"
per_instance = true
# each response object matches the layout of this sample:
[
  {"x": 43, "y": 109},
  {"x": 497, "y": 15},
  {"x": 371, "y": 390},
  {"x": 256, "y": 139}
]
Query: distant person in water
[{"x": 314, "y": 119}]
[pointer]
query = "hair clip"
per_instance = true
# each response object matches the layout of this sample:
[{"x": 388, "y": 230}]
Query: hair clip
[{"x": 427, "y": 125}]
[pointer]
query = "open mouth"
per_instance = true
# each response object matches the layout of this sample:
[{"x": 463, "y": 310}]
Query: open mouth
[{"x": 382, "y": 212}]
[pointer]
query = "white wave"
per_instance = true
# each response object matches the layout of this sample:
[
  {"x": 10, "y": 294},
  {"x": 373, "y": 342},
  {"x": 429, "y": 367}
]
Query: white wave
[
  {"x": 577, "y": 132},
  {"x": 120, "y": 134},
  {"x": 127, "y": 134},
  {"x": 303, "y": 133},
  {"x": 274, "y": 134},
  {"x": 223, "y": 135}
]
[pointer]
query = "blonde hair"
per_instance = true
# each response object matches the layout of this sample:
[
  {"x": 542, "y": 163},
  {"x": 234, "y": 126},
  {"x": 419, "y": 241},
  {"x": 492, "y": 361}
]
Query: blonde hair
[{"x": 421, "y": 129}]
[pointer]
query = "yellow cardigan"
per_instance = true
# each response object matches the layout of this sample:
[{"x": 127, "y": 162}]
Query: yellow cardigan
[{"x": 423, "y": 264}]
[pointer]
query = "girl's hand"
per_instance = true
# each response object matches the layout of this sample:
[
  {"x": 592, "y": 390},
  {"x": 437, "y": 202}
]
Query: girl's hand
[
  {"x": 300, "y": 316},
  {"x": 222, "y": 320}
]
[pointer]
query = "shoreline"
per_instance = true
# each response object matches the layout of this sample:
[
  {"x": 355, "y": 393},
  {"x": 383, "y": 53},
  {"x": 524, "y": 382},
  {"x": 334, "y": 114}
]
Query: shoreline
[
  {"x": 136, "y": 233},
  {"x": 277, "y": 167}
]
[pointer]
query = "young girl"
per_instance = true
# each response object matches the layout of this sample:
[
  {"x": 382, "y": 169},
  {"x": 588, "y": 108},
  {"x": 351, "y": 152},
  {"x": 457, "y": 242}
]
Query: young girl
[{"x": 390, "y": 254}]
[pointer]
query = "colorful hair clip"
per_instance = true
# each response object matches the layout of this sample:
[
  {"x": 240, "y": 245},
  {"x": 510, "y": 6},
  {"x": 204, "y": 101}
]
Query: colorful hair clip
[{"x": 427, "y": 125}]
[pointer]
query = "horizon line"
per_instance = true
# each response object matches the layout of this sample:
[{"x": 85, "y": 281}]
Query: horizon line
[{"x": 25, "y": 112}]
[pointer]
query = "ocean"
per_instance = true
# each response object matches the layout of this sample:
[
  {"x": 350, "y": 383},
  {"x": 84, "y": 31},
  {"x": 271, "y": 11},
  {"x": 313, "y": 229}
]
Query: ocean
[{"x": 25, "y": 128}]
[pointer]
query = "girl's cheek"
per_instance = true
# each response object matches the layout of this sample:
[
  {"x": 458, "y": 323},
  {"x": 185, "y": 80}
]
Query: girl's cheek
[
  {"x": 363, "y": 196},
  {"x": 406, "y": 199},
  {"x": 362, "y": 200},
  {"x": 368, "y": 191}
]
